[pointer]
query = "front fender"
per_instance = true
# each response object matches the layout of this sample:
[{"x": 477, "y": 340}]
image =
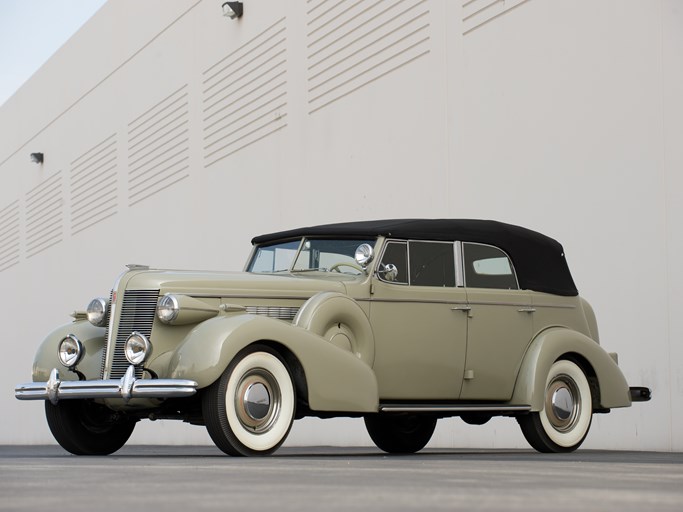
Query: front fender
[
  {"x": 91, "y": 365},
  {"x": 551, "y": 345},
  {"x": 336, "y": 379}
]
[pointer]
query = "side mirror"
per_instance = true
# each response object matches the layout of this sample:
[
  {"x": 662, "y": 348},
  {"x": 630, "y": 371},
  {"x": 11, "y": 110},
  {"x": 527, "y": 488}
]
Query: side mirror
[{"x": 388, "y": 272}]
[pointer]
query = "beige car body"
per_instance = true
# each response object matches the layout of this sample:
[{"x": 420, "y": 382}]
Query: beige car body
[{"x": 354, "y": 344}]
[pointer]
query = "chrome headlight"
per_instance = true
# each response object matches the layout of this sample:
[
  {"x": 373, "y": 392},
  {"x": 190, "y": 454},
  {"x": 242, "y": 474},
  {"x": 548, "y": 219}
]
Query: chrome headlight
[
  {"x": 97, "y": 312},
  {"x": 137, "y": 348},
  {"x": 364, "y": 254},
  {"x": 70, "y": 351},
  {"x": 168, "y": 308}
]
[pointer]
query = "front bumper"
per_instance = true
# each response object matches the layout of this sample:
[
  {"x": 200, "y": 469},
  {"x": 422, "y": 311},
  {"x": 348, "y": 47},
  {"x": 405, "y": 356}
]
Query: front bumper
[{"x": 126, "y": 388}]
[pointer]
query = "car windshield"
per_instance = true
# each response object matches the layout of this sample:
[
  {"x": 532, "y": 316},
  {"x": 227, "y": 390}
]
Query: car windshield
[{"x": 307, "y": 255}]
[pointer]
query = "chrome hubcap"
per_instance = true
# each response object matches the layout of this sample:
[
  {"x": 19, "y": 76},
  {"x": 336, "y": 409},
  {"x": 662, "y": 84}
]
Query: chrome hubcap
[
  {"x": 562, "y": 403},
  {"x": 257, "y": 401}
]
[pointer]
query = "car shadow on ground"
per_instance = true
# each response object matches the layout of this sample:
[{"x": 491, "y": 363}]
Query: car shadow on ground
[{"x": 355, "y": 453}]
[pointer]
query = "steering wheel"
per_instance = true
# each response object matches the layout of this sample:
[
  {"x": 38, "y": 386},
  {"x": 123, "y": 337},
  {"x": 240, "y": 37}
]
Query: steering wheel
[{"x": 345, "y": 264}]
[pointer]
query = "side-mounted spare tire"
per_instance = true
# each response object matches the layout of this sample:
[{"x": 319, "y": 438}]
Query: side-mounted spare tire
[{"x": 334, "y": 315}]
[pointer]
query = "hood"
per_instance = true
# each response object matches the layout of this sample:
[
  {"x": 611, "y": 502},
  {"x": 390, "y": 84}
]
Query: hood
[{"x": 236, "y": 284}]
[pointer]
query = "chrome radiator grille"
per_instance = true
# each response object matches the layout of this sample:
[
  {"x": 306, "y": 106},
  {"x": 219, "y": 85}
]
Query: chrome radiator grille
[{"x": 138, "y": 308}]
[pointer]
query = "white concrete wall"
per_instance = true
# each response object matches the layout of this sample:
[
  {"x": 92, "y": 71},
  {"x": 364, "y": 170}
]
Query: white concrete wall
[{"x": 564, "y": 117}]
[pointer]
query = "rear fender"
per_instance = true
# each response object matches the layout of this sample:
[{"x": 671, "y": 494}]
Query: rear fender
[
  {"x": 559, "y": 343},
  {"x": 336, "y": 379}
]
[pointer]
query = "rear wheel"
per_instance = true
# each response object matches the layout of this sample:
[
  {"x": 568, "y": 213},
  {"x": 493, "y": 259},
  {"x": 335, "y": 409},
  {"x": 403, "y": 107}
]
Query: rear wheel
[
  {"x": 83, "y": 427},
  {"x": 400, "y": 433},
  {"x": 249, "y": 410},
  {"x": 563, "y": 423}
]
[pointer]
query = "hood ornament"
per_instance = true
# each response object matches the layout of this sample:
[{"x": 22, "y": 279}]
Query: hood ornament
[{"x": 135, "y": 266}]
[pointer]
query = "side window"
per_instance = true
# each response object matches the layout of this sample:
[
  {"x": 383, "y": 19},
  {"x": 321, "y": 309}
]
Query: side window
[
  {"x": 396, "y": 254},
  {"x": 488, "y": 267},
  {"x": 432, "y": 264}
]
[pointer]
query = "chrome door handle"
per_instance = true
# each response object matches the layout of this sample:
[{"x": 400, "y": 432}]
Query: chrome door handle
[
  {"x": 527, "y": 310},
  {"x": 461, "y": 308}
]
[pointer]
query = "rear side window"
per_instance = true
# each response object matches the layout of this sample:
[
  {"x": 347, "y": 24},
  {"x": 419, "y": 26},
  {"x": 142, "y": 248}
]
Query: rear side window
[{"x": 488, "y": 267}]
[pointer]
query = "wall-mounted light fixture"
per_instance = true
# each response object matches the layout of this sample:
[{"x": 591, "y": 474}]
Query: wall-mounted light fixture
[
  {"x": 37, "y": 158},
  {"x": 233, "y": 9}
]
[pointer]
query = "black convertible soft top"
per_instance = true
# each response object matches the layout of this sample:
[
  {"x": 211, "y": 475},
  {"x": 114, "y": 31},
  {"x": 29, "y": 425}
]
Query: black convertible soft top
[{"x": 539, "y": 260}]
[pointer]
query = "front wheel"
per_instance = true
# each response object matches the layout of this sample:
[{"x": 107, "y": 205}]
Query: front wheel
[
  {"x": 400, "y": 433},
  {"x": 249, "y": 410},
  {"x": 83, "y": 427},
  {"x": 563, "y": 423}
]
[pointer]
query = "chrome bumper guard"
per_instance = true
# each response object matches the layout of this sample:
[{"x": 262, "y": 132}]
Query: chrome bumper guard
[{"x": 126, "y": 388}]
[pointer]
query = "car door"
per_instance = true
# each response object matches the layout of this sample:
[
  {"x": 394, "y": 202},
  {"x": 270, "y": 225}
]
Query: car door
[
  {"x": 420, "y": 335},
  {"x": 500, "y": 323}
]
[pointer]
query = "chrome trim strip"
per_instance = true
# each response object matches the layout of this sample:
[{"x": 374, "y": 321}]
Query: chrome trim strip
[
  {"x": 255, "y": 297},
  {"x": 454, "y": 408},
  {"x": 108, "y": 330},
  {"x": 126, "y": 388},
  {"x": 454, "y": 302},
  {"x": 500, "y": 303},
  {"x": 470, "y": 303},
  {"x": 556, "y": 306},
  {"x": 459, "y": 266},
  {"x": 412, "y": 301},
  {"x": 302, "y": 241},
  {"x": 251, "y": 257}
]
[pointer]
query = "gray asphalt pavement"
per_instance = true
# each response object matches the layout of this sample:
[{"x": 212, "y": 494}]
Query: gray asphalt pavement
[{"x": 186, "y": 478}]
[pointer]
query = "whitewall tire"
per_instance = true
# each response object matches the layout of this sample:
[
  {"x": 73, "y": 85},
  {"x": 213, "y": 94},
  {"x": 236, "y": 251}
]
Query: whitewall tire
[
  {"x": 564, "y": 421},
  {"x": 250, "y": 409}
]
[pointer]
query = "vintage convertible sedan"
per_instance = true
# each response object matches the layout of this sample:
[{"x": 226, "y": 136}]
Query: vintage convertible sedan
[{"x": 400, "y": 322}]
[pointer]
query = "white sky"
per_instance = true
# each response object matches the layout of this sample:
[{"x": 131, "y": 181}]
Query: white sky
[{"x": 31, "y": 31}]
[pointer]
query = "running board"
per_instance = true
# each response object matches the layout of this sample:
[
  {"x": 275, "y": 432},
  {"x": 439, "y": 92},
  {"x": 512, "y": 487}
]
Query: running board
[{"x": 453, "y": 408}]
